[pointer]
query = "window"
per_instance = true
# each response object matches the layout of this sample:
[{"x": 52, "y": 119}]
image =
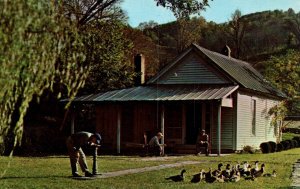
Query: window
[{"x": 253, "y": 116}]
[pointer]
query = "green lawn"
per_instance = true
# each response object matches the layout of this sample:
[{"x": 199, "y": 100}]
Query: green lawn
[{"x": 54, "y": 172}]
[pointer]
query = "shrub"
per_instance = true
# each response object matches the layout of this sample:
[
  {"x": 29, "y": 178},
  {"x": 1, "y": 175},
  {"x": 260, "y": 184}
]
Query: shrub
[
  {"x": 297, "y": 138},
  {"x": 291, "y": 144},
  {"x": 272, "y": 146},
  {"x": 286, "y": 145},
  {"x": 279, "y": 147},
  {"x": 295, "y": 143},
  {"x": 248, "y": 149},
  {"x": 265, "y": 147}
]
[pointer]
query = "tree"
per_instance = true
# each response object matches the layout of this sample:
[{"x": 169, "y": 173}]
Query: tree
[
  {"x": 101, "y": 25},
  {"x": 188, "y": 32},
  {"x": 142, "y": 44},
  {"x": 33, "y": 38},
  {"x": 147, "y": 25},
  {"x": 85, "y": 11},
  {"x": 184, "y": 8},
  {"x": 292, "y": 23},
  {"x": 107, "y": 54},
  {"x": 237, "y": 28},
  {"x": 284, "y": 73}
]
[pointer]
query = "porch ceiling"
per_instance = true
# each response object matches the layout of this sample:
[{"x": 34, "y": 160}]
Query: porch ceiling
[{"x": 161, "y": 93}]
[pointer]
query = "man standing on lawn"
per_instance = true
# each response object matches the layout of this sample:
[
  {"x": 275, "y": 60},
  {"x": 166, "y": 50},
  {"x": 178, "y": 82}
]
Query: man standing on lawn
[{"x": 74, "y": 144}]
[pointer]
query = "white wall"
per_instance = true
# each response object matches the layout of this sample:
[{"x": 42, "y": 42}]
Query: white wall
[{"x": 264, "y": 131}]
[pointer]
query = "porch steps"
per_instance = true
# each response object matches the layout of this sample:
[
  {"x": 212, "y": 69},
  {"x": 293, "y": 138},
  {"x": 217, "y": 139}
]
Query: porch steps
[{"x": 185, "y": 149}]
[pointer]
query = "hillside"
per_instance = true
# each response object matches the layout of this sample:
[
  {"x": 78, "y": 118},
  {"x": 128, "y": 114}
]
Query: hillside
[{"x": 253, "y": 37}]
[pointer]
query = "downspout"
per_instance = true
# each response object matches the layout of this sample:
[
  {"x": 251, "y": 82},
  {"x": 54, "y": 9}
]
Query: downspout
[
  {"x": 162, "y": 125},
  {"x": 119, "y": 131}
]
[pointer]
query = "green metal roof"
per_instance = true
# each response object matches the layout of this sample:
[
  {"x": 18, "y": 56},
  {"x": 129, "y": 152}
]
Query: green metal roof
[{"x": 160, "y": 93}]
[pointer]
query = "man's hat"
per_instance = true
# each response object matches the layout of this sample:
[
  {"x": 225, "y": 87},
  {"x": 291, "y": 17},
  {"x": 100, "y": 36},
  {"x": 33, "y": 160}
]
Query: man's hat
[
  {"x": 160, "y": 134},
  {"x": 98, "y": 137}
]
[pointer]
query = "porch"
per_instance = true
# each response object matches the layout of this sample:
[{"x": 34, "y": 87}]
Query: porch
[{"x": 123, "y": 116}]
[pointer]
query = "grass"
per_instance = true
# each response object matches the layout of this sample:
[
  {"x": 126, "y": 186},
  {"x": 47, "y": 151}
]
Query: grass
[{"x": 54, "y": 172}]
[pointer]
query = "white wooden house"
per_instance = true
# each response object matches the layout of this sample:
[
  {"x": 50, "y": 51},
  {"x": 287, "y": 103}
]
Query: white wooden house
[{"x": 200, "y": 89}]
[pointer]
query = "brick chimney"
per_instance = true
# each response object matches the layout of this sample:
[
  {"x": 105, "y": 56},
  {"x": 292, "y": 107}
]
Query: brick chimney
[
  {"x": 139, "y": 69},
  {"x": 226, "y": 51}
]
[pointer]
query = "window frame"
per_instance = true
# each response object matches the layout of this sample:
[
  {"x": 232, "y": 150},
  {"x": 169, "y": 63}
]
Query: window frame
[{"x": 253, "y": 116}]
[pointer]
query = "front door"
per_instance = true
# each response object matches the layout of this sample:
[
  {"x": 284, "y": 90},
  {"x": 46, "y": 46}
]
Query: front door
[{"x": 193, "y": 121}]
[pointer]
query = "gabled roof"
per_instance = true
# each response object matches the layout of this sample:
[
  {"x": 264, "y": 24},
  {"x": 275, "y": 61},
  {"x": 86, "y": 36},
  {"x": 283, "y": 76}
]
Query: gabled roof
[{"x": 237, "y": 71}]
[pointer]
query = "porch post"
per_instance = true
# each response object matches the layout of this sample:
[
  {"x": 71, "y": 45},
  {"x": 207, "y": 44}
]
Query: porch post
[
  {"x": 219, "y": 129},
  {"x": 119, "y": 130},
  {"x": 203, "y": 122},
  {"x": 162, "y": 125}
]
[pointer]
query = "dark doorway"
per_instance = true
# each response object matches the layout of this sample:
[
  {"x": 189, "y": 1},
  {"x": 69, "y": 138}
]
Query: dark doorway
[
  {"x": 193, "y": 121},
  {"x": 127, "y": 123}
]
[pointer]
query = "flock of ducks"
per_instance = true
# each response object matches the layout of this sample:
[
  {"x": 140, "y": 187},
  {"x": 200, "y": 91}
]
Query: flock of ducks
[{"x": 229, "y": 174}]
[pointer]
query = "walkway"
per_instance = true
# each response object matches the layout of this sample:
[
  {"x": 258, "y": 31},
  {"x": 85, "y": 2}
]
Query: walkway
[
  {"x": 145, "y": 169},
  {"x": 296, "y": 175}
]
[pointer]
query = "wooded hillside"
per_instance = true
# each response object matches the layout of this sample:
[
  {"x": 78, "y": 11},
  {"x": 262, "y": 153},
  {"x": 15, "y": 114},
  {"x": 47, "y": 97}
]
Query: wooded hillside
[{"x": 260, "y": 35}]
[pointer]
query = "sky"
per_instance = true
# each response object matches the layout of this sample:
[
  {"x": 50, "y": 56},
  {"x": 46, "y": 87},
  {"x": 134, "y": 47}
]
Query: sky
[{"x": 220, "y": 11}]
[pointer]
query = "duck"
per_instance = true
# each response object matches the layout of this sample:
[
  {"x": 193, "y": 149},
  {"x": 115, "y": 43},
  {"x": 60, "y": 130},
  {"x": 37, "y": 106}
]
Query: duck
[
  {"x": 245, "y": 171},
  {"x": 273, "y": 174},
  {"x": 236, "y": 177},
  {"x": 260, "y": 172},
  {"x": 198, "y": 177},
  {"x": 233, "y": 171},
  {"x": 220, "y": 179},
  {"x": 209, "y": 178},
  {"x": 218, "y": 171},
  {"x": 256, "y": 166},
  {"x": 177, "y": 178},
  {"x": 255, "y": 169},
  {"x": 226, "y": 172}
]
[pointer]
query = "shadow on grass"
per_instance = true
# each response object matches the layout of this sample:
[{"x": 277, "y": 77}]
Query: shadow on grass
[{"x": 33, "y": 177}]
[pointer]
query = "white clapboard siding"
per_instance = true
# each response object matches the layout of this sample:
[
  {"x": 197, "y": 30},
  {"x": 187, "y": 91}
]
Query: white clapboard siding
[
  {"x": 193, "y": 70},
  {"x": 227, "y": 125},
  {"x": 263, "y": 132},
  {"x": 243, "y": 121}
]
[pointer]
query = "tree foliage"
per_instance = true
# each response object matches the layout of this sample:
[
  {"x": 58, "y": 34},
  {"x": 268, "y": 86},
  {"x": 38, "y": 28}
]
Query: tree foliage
[
  {"x": 101, "y": 25},
  {"x": 284, "y": 72},
  {"x": 236, "y": 31},
  {"x": 107, "y": 55},
  {"x": 33, "y": 37},
  {"x": 184, "y": 8},
  {"x": 85, "y": 11}
]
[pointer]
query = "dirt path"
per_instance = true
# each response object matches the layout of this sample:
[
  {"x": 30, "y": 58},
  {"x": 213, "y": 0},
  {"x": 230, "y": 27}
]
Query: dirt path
[
  {"x": 296, "y": 175},
  {"x": 145, "y": 169}
]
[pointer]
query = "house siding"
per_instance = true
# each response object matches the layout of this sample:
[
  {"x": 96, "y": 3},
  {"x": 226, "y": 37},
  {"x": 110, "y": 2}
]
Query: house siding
[
  {"x": 263, "y": 130},
  {"x": 192, "y": 70},
  {"x": 227, "y": 130},
  {"x": 136, "y": 118}
]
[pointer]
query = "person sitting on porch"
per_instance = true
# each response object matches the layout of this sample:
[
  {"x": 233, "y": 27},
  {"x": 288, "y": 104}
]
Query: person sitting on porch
[
  {"x": 202, "y": 141},
  {"x": 154, "y": 146}
]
